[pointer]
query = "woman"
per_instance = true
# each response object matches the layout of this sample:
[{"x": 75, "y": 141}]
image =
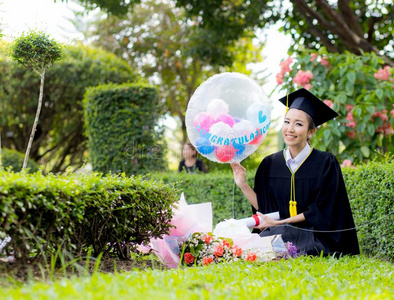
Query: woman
[
  {"x": 304, "y": 184},
  {"x": 190, "y": 163}
]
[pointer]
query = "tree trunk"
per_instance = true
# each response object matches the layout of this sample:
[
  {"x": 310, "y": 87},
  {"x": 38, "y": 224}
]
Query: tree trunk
[
  {"x": 184, "y": 132},
  {"x": 33, "y": 131}
]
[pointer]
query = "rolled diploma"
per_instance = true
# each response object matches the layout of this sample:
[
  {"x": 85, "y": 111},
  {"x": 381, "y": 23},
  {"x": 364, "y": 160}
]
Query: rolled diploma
[
  {"x": 273, "y": 216},
  {"x": 251, "y": 221}
]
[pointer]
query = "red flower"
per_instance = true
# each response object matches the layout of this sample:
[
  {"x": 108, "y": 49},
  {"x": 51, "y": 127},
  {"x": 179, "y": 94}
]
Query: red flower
[
  {"x": 237, "y": 251},
  {"x": 324, "y": 62},
  {"x": 383, "y": 74},
  {"x": 251, "y": 257},
  {"x": 351, "y": 134},
  {"x": 313, "y": 57},
  {"x": 285, "y": 65},
  {"x": 208, "y": 239},
  {"x": 347, "y": 163},
  {"x": 189, "y": 258},
  {"x": 219, "y": 251},
  {"x": 279, "y": 78},
  {"x": 329, "y": 103},
  {"x": 207, "y": 260},
  {"x": 226, "y": 243},
  {"x": 303, "y": 78},
  {"x": 381, "y": 114}
]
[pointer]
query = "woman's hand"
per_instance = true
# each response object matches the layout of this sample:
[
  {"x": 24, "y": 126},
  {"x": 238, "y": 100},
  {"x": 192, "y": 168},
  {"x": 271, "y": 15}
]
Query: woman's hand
[
  {"x": 266, "y": 222},
  {"x": 239, "y": 174},
  {"x": 240, "y": 181}
]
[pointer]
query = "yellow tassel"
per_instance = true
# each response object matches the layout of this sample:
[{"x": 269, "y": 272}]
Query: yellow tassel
[
  {"x": 287, "y": 104},
  {"x": 293, "y": 208}
]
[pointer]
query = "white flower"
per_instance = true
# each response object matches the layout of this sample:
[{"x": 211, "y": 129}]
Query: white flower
[{"x": 229, "y": 228}]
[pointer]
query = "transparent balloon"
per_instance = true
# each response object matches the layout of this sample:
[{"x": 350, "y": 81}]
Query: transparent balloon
[{"x": 228, "y": 117}]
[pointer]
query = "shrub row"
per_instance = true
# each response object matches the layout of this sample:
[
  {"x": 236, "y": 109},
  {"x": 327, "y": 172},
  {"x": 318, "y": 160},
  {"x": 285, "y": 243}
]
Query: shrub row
[
  {"x": 81, "y": 212},
  {"x": 370, "y": 189}
]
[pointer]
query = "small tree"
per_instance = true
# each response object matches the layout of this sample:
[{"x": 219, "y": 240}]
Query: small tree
[{"x": 37, "y": 51}]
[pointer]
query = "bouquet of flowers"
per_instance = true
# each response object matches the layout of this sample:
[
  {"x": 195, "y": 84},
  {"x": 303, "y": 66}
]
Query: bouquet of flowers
[
  {"x": 193, "y": 243},
  {"x": 204, "y": 249}
]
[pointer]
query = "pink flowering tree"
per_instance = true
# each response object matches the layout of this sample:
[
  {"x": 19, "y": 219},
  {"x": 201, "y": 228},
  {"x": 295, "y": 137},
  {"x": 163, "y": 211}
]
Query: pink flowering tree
[{"x": 359, "y": 88}]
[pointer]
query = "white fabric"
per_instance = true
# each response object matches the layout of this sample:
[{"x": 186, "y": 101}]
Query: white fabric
[{"x": 294, "y": 163}]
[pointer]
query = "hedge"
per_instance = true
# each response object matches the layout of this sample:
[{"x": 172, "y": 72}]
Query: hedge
[
  {"x": 122, "y": 128},
  {"x": 370, "y": 188},
  {"x": 79, "y": 213},
  {"x": 13, "y": 160}
]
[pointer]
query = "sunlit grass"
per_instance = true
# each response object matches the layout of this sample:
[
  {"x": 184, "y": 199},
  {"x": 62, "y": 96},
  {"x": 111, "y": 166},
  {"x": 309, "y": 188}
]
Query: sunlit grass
[{"x": 303, "y": 278}]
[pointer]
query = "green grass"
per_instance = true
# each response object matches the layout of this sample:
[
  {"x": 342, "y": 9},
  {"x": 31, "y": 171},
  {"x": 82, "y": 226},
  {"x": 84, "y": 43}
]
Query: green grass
[{"x": 304, "y": 278}]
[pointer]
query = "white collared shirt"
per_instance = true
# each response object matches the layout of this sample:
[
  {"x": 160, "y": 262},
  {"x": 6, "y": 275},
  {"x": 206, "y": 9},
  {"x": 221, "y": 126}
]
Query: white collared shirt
[{"x": 294, "y": 163}]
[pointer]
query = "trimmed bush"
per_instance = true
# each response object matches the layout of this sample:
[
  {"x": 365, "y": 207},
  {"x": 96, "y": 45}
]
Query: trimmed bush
[
  {"x": 371, "y": 190},
  {"x": 122, "y": 128},
  {"x": 81, "y": 212},
  {"x": 14, "y": 160}
]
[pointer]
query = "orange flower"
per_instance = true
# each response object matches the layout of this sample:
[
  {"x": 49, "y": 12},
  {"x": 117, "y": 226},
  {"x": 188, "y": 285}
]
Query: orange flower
[
  {"x": 237, "y": 251},
  {"x": 226, "y": 243},
  {"x": 251, "y": 257},
  {"x": 207, "y": 239},
  {"x": 218, "y": 251},
  {"x": 207, "y": 260}
]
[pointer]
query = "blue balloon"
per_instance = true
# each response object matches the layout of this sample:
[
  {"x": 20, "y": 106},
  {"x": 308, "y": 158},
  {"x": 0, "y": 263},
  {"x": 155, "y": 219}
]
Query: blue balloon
[
  {"x": 204, "y": 146},
  {"x": 239, "y": 149}
]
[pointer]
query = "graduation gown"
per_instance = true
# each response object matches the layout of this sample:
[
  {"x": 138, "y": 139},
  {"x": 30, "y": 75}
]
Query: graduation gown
[{"x": 321, "y": 195}]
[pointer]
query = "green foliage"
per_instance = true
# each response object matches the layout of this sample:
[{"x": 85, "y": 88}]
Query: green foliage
[
  {"x": 59, "y": 141},
  {"x": 164, "y": 47},
  {"x": 361, "y": 90},
  {"x": 347, "y": 25},
  {"x": 301, "y": 278},
  {"x": 117, "y": 7},
  {"x": 371, "y": 189},
  {"x": 80, "y": 212},
  {"x": 122, "y": 128},
  {"x": 36, "y": 50},
  {"x": 14, "y": 160}
]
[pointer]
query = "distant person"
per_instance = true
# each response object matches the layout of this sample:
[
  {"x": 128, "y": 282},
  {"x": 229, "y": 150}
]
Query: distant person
[{"x": 190, "y": 163}]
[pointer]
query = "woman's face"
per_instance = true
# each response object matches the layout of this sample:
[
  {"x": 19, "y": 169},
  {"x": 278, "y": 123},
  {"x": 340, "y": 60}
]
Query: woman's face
[
  {"x": 295, "y": 128},
  {"x": 188, "y": 152}
]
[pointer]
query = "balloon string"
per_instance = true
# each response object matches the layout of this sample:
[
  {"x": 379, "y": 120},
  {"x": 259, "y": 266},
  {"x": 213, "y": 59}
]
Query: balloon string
[
  {"x": 338, "y": 230},
  {"x": 233, "y": 214}
]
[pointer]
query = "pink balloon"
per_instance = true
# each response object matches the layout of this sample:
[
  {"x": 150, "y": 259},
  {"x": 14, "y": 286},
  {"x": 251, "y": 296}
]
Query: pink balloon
[
  {"x": 229, "y": 120},
  {"x": 258, "y": 139},
  {"x": 225, "y": 153},
  {"x": 204, "y": 120}
]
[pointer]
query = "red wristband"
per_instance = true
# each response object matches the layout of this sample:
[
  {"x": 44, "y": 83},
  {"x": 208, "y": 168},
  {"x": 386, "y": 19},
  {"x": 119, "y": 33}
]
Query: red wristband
[{"x": 257, "y": 219}]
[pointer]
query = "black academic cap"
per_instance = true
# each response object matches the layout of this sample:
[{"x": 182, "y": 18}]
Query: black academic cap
[{"x": 304, "y": 100}]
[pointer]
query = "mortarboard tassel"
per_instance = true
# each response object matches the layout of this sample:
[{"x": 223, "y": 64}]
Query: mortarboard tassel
[
  {"x": 292, "y": 202},
  {"x": 287, "y": 104}
]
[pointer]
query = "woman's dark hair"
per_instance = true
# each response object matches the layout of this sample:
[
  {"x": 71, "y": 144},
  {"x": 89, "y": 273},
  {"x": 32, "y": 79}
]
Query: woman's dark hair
[
  {"x": 192, "y": 148},
  {"x": 311, "y": 126}
]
